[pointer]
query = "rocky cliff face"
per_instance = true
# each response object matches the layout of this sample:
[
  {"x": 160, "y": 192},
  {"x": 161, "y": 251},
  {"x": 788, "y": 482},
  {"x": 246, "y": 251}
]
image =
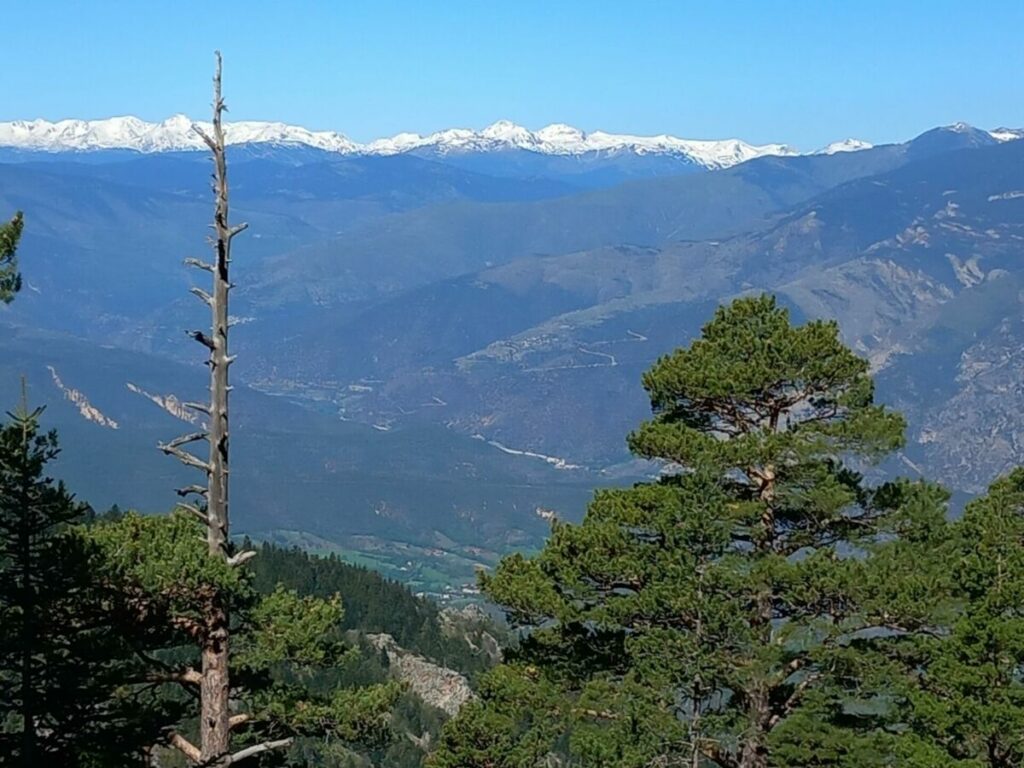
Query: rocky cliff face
[
  {"x": 437, "y": 686},
  {"x": 967, "y": 421},
  {"x": 76, "y": 397},
  {"x": 473, "y": 625}
]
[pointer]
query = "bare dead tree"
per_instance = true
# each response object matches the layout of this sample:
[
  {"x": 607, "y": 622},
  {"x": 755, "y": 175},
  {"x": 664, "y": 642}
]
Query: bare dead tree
[{"x": 216, "y": 721}]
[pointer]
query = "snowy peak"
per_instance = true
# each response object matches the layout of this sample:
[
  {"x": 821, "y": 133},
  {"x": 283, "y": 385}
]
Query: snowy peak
[
  {"x": 560, "y": 134},
  {"x": 507, "y": 131},
  {"x": 561, "y": 139},
  {"x": 1007, "y": 134},
  {"x": 176, "y": 134},
  {"x": 846, "y": 145}
]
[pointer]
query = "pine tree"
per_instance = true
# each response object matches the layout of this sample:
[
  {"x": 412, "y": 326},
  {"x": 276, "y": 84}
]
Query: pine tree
[
  {"x": 10, "y": 278},
  {"x": 62, "y": 659},
  {"x": 284, "y": 645},
  {"x": 33, "y": 512},
  {"x": 950, "y": 669},
  {"x": 689, "y": 620}
]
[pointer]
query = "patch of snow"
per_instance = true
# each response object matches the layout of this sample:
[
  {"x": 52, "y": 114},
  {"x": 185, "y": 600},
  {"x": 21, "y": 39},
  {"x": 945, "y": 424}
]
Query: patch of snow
[
  {"x": 1007, "y": 134},
  {"x": 545, "y": 514},
  {"x": 174, "y": 133},
  {"x": 561, "y": 139},
  {"x": 846, "y": 145},
  {"x": 968, "y": 273}
]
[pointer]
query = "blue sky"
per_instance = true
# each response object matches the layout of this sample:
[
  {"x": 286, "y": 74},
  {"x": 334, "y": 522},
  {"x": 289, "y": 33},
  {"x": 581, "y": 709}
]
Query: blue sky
[{"x": 801, "y": 72}]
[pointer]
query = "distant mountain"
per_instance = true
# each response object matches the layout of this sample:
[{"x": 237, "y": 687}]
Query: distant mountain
[
  {"x": 560, "y": 139},
  {"x": 950, "y": 137},
  {"x": 436, "y": 242},
  {"x": 920, "y": 263},
  {"x": 453, "y": 341},
  {"x": 1007, "y": 134},
  {"x": 174, "y": 134},
  {"x": 177, "y": 133}
]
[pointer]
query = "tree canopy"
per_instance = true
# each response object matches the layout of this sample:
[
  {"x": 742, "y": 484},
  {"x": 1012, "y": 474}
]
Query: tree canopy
[
  {"x": 758, "y": 603},
  {"x": 10, "y": 277},
  {"x": 64, "y": 655},
  {"x": 694, "y": 617}
]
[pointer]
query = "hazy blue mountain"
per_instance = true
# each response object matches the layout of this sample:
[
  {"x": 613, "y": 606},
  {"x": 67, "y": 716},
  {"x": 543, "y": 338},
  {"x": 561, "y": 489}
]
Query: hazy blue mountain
[
  {"x": 439, "y": 241},
  {"x": 401, "y": 307},
  {"x": 918, "y": 264},
  {"x": 396, "y": 182},
  {"x": 948, "y": 138},
  {"x": 587, "y": 170}
]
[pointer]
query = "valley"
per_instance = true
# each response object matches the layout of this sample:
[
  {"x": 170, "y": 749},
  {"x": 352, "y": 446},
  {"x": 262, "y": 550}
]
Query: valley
[{"x": 441, "y": 339}]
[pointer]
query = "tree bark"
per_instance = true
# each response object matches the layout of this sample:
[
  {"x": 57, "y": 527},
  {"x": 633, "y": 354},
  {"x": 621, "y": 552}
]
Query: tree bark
[
  {"x": 214, "y": 695},
  {"x": 754, "y": 754},
  {"x": 753, "y": 749}
]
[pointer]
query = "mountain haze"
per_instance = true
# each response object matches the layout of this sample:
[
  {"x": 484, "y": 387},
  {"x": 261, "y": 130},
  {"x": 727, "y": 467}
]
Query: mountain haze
[{"x": 441, "y": 349}]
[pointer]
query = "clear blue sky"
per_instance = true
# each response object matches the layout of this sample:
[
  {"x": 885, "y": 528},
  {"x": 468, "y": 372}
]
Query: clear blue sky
[{"x": 801, "y": 72}]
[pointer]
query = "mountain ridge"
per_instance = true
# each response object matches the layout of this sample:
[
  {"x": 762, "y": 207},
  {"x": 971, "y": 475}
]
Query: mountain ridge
[
  {"x": 176, "y": 134},
  {"x": 429, "y": 311}
]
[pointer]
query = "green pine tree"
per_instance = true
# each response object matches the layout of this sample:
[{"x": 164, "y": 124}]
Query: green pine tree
[
  {"x": 10, "y": 278},
  {"x": 285, "y": 646},
  {"x": 689, "y": 620},
  {"x": 950, "y": 670},
  {"x": 62, "y": 658}
]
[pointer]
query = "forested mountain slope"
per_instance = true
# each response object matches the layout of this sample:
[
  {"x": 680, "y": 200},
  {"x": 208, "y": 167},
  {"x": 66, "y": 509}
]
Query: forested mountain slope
[
  {"x": 920, "y": 265},
  {"x": 455, "y": 353}
]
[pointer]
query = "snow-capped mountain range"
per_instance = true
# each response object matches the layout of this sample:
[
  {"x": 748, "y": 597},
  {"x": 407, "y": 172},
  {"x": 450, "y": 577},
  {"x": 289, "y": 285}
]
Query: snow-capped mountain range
[
  {"x": 561, "y": 139},
  {"x": 176, "y": 134}
]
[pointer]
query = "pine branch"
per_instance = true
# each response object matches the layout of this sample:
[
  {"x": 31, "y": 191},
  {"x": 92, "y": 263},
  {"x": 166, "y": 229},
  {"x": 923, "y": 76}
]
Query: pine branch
[
  {"x": 202, "y": 338},
  {"x": 203, "y": 295},
  {"x": 793, "y": 699},
  {"x": 199, "y": 264},
  {"x": 257, "y": 749},
  {"x": 195, "y": 512},
  {"x": 186, "y": 747},
  {"x": 191, "y": 437},
  {"x": 186, "y": 677},
  {"x": 184, "y": 456},
  {"x": 205, "y": 137},
  {"x": 242, "y": 557}
]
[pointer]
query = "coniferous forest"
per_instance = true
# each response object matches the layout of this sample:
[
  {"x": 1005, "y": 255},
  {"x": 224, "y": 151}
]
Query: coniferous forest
[
  {"x": 762, "y": 603},
  {"x": 777, "y": 591}
]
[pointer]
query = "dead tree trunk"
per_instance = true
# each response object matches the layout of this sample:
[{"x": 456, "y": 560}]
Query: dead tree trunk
[
  {"x": 214, "y": 734},
  {"x": 214, "y": 686}
]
